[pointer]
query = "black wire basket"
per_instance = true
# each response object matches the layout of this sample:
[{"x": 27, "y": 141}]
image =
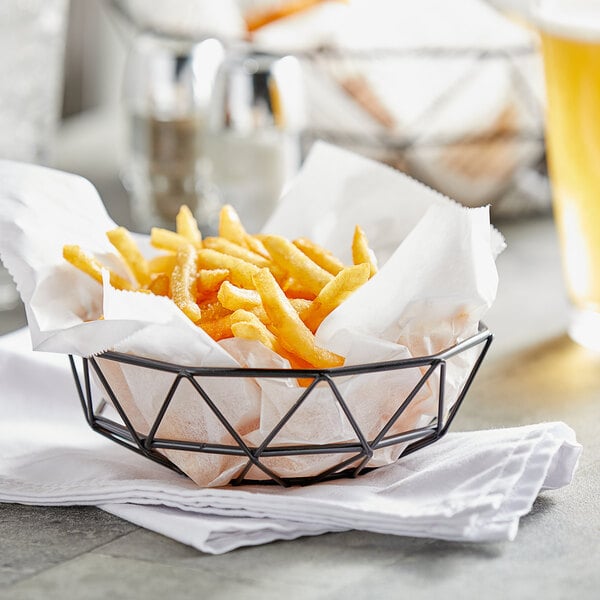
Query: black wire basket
[{"x": 352, "y": 457}]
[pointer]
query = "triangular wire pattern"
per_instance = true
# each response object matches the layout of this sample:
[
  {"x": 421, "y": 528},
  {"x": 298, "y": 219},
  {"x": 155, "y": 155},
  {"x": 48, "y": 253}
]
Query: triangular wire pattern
[
  {"x": 261, "y": 462},
  {"x": 279, "y": 426}
]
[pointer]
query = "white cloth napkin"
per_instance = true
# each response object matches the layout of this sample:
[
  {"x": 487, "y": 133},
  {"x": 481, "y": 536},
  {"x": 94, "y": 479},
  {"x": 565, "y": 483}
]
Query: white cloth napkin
[{"x": 468, "y": 486}]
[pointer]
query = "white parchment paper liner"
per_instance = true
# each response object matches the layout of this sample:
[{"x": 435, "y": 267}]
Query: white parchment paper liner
[{"x": 431, "y": 292}]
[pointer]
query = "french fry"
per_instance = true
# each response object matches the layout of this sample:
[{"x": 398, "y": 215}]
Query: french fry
[
  {"x": 257, "y": 18},
  {"x": 223, "y": 245},
  {"x": 262, "y": 316},
  {"x": 121, "y": 239},
  {"x": 296, "y": 290},
  {"x": 294, "y": 336},
  {"x": 361, "y": 252},
  {"x": 183, "y": 280},
  {"x": 218, "y": 329},
  {"x": 299, "y": 304},
  {"x": 246, "y": 325},
  {"x": 187, "y": 226},
  {"x": 248, "y": 330},
  {"x": 241, "y": 272},
  {"x": 213, "y": 310},
  {"x": 230, "y": 226},
  {"x": 163, "y": 239},
  {"x": 297, "y": 264},
  {"x": 256, "y": 246},
  {"x": 236, "y": 298},
  {"x": 333, "y": 294},
  {"x": 88, "y": 264},
  {"x": 325, "y": 259},
  {"x": 208, "y": 281},
  {"x": 160, "y": 284},
  {"x": 163, "y": 263},
  {"x": 249, "y": 325},
  {"x": 261, "y": 313}
]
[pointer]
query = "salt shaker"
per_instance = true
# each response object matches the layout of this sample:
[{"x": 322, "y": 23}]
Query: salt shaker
[
  {"x": 167, "y": 89},
  {"x": 253, "y": 136}
]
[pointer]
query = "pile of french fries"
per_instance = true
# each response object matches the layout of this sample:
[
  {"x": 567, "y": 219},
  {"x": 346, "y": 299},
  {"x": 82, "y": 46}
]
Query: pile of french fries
[{"x": 256, "y": 287}]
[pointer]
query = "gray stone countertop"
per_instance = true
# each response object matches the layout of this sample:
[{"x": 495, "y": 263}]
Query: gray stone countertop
[{"x": 533, "y": 373}]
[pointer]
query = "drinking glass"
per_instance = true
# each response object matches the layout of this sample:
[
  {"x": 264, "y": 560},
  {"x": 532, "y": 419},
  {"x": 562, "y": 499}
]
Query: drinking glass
[{"x": 570, "y": 34}]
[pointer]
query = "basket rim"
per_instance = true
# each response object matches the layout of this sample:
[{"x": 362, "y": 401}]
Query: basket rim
[
  {"x": 482, "y": 334},
  {"x": 361, "y": 448}
]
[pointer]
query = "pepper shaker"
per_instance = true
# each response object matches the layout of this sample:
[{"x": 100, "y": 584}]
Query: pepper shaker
[{"x": 168, "y": 86}]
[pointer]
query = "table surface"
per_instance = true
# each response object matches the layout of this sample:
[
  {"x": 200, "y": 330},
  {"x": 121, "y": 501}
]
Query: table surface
[{"x": 533, "y": 373}]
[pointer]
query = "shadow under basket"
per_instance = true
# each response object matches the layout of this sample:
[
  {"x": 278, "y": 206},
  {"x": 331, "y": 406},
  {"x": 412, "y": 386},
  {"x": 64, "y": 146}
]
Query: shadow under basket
[{"x": 354, "y": 456}]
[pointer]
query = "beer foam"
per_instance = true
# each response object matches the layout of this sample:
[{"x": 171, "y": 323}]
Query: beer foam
[{"x": 574, "y": 19}]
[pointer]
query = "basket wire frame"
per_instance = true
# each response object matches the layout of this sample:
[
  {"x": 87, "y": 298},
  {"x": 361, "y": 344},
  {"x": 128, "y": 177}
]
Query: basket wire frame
[{"x": 360, "y": 451}]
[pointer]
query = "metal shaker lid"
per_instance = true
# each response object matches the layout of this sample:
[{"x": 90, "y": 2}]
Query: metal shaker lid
[
  {"x": 170, "y": 79},
  {"x": 255, "y": 91}
]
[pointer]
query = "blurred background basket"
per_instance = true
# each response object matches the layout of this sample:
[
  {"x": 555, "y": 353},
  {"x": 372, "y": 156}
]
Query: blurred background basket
[
  {"x": 469, "y": 121},
  {"x": 111, "y": 416}
]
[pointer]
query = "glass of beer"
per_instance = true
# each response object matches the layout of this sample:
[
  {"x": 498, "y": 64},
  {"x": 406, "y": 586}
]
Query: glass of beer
[{"x": 570, "y": 33}]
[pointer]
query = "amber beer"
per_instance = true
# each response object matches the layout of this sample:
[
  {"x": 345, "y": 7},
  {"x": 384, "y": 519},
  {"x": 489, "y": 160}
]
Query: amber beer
[{"x": 571, "y": 51}]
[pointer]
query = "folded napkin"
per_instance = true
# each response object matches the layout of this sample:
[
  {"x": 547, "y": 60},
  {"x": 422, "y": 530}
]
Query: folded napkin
[{"x": 468, "y": 486}]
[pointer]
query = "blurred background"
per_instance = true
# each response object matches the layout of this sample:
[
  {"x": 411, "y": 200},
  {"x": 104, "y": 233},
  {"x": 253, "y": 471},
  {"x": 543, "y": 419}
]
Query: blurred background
[{"x": 204, "y": 102}]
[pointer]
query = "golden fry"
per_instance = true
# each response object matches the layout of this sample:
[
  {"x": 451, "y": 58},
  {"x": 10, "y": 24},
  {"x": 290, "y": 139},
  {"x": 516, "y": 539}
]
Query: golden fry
[
  {"x": 258, "y": 328},
  {"x": 121, "y": 239},
  {"x": 299, "y": 304},
  {"x": 246, "y": 325},
  {"x": 296, "y": 290},
  {"x": 163, "y": 239},
  {"x": 361, "y": 252},
  {"x": 297, "y": 264},
  {"x": 250, "y": 330},
  {"x": 218, "y": 329},
  {"x": 325, "y": 259},
  {"x": 262, "y": 316},
  {"x": 223, "y": 245},
  {"x": 183, "y": 281},
  {"x": 92, "y": 267},
  {"x": 268, "y": 13},
  {"x": 333, "y": 294},
  {"x": 235, "y": 298},
  {"x": 241, "y": 272},
  {"x": 230, "y": 226},
  {"x": 187, "y": 226},
  {"x": 294, "y": 336},
  {"x": 256, "y": 246},
  {"x": 209, "y": 281},
  {"x": 160, "y": 284},
  {"x": 162, "y": 264},
  {"x": 213, "y": 310}
]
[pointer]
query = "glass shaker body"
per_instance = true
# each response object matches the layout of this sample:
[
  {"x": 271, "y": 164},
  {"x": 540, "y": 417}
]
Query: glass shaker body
[
  {"x": 253, "y": 135},
  {"x": 167, "y": 88}
]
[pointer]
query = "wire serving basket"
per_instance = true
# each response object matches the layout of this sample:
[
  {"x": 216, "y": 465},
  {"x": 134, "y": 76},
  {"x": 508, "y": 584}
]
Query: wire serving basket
[{"x": 353, "y": 456}]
